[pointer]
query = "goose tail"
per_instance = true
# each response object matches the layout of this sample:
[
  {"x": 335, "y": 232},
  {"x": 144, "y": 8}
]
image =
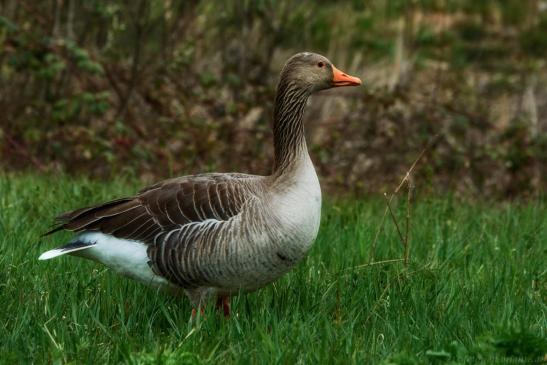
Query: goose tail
[{"x": 68, "y": 248}]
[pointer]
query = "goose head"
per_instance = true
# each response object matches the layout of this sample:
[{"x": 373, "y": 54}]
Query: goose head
[
  {"x": 314, "y": 72},
  {"x": 303, "y": 74}
]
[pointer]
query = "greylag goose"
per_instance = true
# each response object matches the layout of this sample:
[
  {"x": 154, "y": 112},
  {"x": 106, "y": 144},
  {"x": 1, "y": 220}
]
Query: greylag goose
[{"x": 217, "y": 234}]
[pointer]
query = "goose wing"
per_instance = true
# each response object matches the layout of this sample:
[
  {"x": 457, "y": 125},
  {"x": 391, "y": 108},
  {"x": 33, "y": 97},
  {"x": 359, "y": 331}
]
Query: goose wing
[{"x": 165, "y": 207}]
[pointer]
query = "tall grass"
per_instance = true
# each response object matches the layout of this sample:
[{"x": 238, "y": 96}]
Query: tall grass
[{"x": 474, "y": 290}]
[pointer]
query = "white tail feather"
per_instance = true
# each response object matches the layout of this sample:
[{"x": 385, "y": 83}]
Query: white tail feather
[
  {"x": 60, "y": 251},
  {"x": 126, "y": 257}
]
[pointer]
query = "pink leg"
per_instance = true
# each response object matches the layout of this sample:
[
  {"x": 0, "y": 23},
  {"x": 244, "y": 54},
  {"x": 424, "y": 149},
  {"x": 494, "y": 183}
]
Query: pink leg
[
  {"x": 224, "y": 303},
  {"x": 194, "y": 312}
]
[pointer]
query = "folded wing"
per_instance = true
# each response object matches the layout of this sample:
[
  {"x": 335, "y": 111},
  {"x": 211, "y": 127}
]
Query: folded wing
[{"x": 164, "y": 207}]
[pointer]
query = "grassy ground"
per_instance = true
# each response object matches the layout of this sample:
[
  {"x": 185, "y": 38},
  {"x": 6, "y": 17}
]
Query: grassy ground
[{"x": 473, "y": 293}]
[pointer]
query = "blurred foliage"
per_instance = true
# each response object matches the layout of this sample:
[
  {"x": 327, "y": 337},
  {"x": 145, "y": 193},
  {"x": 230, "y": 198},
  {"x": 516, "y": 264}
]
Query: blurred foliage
[{"x": 154, "y": 88}]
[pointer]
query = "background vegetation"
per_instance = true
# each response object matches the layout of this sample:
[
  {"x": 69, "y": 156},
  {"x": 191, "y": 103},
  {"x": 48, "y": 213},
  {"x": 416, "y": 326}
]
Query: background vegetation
[{"x": 149, "y": 89}]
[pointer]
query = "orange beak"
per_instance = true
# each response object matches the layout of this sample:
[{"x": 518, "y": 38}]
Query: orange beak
[{"x": 342, "y": 79}]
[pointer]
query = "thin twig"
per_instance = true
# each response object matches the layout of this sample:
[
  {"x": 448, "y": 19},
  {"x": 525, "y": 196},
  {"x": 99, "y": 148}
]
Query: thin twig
[
  {"x": 359, "y": 267},
  {"x": 376, "y": 236},
  {"x": 394, "y": 220},
  {"x": 410, "y": 185},
  {"x": 431, "y": 142}
]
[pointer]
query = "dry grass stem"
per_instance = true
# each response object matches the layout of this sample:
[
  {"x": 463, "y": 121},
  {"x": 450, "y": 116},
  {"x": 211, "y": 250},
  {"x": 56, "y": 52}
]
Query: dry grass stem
[
  {"x": 406, "y": 179},
  {"x": 410, "y": 185},
  {"x": 359, "y": 267},
  {"x": 394, "y": 219}
]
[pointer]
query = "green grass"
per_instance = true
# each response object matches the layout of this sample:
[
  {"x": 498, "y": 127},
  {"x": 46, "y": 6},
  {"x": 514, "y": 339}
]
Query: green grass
[{"x": 474, "y": 291}]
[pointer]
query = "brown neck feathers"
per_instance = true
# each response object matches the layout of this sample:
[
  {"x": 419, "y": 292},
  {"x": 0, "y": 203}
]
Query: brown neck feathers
[{"x": 288, "y": 125}]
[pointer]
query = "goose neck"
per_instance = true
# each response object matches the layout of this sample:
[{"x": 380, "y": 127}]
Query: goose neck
[{"x": 288, "y": 127}]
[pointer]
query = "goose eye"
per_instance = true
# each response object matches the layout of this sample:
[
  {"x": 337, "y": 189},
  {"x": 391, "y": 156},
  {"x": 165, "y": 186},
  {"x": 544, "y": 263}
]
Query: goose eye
[{"x": 320, "y": 64}]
